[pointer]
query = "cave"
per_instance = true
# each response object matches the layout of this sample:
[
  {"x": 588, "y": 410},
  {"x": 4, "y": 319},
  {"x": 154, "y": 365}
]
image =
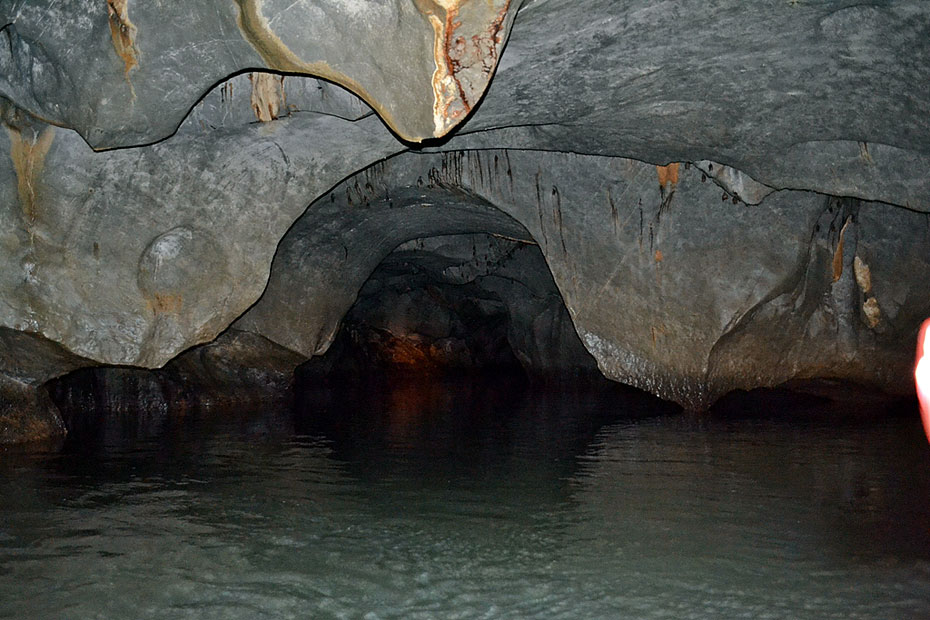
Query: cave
[
  {"x": 459, "y": 304},
  {"x": 464, "y": 308}
]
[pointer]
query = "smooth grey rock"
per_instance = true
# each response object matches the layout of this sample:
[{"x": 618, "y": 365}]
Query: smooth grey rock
[
  {"x": 679, "y": 297},
  {"x": 125, "y": 73},
  {"x": 741, "y": 186},
  {"x": 132, "y": 256},
  {"x": 827, "y": 96}
]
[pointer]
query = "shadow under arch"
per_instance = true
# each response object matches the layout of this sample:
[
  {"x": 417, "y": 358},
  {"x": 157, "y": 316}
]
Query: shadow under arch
[{"x": 400, "y": 207}]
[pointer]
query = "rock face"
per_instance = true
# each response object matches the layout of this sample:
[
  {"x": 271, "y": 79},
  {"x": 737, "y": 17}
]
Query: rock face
[
  {"x": 28, "y": 362},
  {"x": 727, "y": 195},
  {"x": 687, "y": 295},
  {"x": 124, "y": 73},
  {"x": 237, "y": 370}
]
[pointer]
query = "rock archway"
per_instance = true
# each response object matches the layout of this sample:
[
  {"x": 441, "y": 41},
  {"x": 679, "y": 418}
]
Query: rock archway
[{"x": 727, "y": 196}]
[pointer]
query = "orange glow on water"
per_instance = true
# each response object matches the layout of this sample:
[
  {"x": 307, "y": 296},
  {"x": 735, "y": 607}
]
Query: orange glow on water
[{"x": 922, "y": 375}]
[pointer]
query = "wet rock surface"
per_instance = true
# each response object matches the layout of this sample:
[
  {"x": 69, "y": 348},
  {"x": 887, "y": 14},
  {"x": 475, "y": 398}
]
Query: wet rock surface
[
  {"x": 235, "y": 370},
  {"x": 27, "y": 364},
  {"x": 727, "y": 196}
]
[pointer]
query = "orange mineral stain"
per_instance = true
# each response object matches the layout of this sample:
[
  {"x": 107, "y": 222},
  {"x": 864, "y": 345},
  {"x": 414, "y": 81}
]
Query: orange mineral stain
[
  {"x": 668, "y": 176},
  {"x": 123, "y": 32}
]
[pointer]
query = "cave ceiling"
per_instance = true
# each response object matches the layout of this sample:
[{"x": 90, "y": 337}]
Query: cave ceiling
[{"x": 728, "y": 194}]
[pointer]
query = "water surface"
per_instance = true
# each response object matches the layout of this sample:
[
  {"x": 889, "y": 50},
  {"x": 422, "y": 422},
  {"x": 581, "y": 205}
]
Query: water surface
[{"x": 473, "y": 501}]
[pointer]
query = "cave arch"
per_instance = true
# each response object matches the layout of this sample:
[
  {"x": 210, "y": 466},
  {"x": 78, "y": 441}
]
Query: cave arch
[{"x": 399, "y": 207}]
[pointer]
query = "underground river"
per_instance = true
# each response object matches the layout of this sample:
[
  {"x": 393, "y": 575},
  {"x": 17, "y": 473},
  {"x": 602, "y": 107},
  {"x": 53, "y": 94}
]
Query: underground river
[{"x": 475, "y": 500}]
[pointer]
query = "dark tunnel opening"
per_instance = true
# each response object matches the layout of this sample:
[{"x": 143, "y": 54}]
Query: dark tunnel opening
[
  {"x": 457, "y": 304},
  {"x": 460, "y": 344}
]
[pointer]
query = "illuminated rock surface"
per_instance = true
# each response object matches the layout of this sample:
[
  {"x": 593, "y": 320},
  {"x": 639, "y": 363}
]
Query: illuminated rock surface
[{"x": 727, "y": 195}]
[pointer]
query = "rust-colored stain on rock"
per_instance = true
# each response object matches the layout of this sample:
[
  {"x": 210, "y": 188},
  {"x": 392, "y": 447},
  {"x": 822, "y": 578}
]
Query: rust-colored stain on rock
[
  {"x": 268, "y": 97},
  {"x": 28, "y": 149},
  {"x": 456, "y": 53},
  {"x": 668, "y": 176},
  {"x": 123, "y": 32},
  {"x": 838, "y": 253},
  {"x": 656, "y": 331},
  {"x": 167, "y": 303}
]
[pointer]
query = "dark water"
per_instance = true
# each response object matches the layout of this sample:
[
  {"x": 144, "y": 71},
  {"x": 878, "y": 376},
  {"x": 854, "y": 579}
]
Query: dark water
[{"x": 470, "y": 501}]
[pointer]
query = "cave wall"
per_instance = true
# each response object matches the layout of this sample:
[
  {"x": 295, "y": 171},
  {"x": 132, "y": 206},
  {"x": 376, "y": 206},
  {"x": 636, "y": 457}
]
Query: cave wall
[
  {"x": 728, "y": 195},
  {"x": 685, "y": 292}
]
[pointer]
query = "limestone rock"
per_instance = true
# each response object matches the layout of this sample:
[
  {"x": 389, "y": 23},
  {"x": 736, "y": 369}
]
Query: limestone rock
[
  {"x": 250, "y": 193},
  {"x": 27, "y": 363},
  {"x": 27, "y": 415},
  {"x": 237, "y": 370},
  {"x": 825, "y": 96},
  {"x": 461, "y": 303},
  {"x": 133, "y": 256},
  {"x": 125, "y": 73},
  {"x": 687, "y": 298},
  {"x": 740, "y": 186}
]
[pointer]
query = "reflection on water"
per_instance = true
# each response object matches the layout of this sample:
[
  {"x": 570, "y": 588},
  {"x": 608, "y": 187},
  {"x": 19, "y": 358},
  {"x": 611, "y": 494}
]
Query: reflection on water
[{"x": 472, "y": 500}]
